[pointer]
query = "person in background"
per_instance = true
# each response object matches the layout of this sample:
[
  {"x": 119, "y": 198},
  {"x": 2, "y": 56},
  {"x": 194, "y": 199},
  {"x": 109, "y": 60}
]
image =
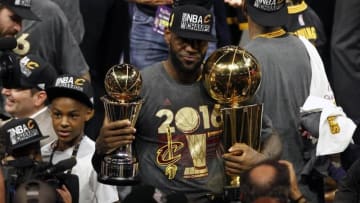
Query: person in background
[
  {"x": 270, "y": 181},
  {"x": 52, "y": 39},
  {"x": 72, "y": 12},
  {"x": 345, "y": 65},
  {"x": 12, "y": 13},
  {"x": 11, "y": 17},
  {"x": 285, "y": 88},
  {"x": 71, "y": 101},
  {"x": 303, "y": 21},
  {"x": 22, "y": 141},
  {"x": 24, "y": 92}
]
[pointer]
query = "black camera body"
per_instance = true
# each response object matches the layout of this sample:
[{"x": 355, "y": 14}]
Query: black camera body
[{"x": 23, "y": 170}]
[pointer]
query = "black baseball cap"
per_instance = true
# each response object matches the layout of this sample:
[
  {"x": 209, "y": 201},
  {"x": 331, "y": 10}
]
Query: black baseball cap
[
  {"x": 33, "y": 72},
  {"x": 21, "y": 132},
  {"x": 192, "y": 22},
  {"x": 270, "y": 13},
  {"x": 73, "y": 87},
  {"x": 21, "y": 8}
]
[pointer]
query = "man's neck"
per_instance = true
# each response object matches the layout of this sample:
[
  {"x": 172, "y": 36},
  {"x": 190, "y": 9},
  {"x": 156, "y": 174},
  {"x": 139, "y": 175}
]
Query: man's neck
[
  {"x": 256, "y": 29},
  {"x": 181, "y": 77}
]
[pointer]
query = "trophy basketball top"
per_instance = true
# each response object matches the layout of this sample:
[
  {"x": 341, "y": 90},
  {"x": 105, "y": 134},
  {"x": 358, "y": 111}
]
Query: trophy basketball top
[
  {"x": 231, "y": 75},
  {"x": 123, "y": 83}
]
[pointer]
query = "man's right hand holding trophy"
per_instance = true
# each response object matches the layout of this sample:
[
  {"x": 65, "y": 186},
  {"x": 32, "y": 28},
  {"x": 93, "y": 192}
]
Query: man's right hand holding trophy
[{"x": 122, "y": 105}]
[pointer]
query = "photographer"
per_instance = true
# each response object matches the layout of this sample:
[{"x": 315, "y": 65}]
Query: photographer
[{"x": 22, "y": 160}]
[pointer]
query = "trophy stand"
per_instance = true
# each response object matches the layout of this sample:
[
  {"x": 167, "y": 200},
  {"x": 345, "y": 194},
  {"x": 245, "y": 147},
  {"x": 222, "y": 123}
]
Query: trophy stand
[
  {"x": 231, "y": 76},
  {"x": 122, "y": 84},
  {"x": 241, "y": 125},
  {"x": 121, "y": 166}
]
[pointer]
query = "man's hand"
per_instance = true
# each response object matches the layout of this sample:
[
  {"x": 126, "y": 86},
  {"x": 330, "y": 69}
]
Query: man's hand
[
  {"x": 295, "y": 192},
  {"x": 113, "y": 135},
  {"x": 240, "y": 158},
  {"x": 65, "y": 194}
]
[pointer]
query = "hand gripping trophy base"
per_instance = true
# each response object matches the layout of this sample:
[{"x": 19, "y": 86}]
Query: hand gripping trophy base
[{"x": 120, "y": 167}]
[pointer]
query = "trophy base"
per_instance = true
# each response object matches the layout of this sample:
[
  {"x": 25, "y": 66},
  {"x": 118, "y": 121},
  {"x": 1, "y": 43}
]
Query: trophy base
[
  {"x": 232, "y": 194},
  {"x": 117, "y": 170},
  {"x": 118, "y": 180}
]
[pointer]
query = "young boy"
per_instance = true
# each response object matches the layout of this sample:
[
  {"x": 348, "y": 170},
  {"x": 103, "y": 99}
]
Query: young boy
[{"x": 71, "y": 102}]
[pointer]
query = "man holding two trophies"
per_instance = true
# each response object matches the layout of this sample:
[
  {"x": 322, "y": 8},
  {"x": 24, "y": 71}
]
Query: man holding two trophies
[{"x": 178, "y": 130}]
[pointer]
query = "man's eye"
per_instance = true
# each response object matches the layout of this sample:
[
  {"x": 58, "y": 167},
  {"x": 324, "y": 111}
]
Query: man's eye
[{"x": 15, "y": 18}]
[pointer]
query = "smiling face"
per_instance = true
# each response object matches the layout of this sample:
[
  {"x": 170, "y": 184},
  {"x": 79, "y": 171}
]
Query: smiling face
[
  {"x": 69, "y": 117},
  {"x": 186, "y": 55},
  {"x": 10, "y": 23},
  {"x": 23, "y": 102}
]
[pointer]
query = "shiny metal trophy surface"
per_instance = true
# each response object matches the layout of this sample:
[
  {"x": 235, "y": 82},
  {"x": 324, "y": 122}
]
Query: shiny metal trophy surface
[
  {"x": 122, "y": 84},
  {"x": 231, "y": 76}
]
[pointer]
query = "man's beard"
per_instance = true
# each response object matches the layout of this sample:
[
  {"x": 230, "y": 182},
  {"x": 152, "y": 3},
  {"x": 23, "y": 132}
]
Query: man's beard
[{"x": 179, "y": 66}]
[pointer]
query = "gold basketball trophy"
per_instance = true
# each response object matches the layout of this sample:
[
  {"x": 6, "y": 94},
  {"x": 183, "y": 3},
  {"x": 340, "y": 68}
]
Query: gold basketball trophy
[
  {"x": 122, "y": 84},
  {"x": 231, "y": 76}
]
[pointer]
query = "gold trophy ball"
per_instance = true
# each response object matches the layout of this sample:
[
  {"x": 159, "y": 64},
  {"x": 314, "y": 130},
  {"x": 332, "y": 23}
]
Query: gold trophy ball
[
  {"x": 231, "y": 75},
  {"x": 123, "y": 82}
]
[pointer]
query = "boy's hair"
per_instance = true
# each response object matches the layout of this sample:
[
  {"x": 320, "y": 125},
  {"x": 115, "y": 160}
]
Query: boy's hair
[{"x": 73, "y": 87}]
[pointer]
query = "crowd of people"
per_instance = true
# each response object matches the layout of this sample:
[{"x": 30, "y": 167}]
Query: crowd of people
[{"x": 55, "y": 136}]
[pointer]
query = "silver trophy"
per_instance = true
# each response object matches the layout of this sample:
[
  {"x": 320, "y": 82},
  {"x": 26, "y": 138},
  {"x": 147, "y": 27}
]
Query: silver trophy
[
  {"x": 232, "y": 76},
  {"x": 122, "y": 84}
]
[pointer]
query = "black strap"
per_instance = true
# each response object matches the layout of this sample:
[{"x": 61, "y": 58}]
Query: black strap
[{"x": 74, "y": 153}]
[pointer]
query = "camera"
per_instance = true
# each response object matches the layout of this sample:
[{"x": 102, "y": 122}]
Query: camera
[{"x": 24, "y": 170}]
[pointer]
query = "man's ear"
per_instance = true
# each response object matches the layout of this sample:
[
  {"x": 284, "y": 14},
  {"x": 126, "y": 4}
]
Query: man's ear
[
  {"x": 41, "y": 97},
  {"x": 167, "y": 35}
]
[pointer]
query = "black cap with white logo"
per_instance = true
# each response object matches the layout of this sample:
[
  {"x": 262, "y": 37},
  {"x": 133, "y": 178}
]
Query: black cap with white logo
[
  {"x": 21, "y": 132},
  {"x": 192, "y": 22},
  {"x": 73, "y": 87},
  {"x": 270, "y": 13}
]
